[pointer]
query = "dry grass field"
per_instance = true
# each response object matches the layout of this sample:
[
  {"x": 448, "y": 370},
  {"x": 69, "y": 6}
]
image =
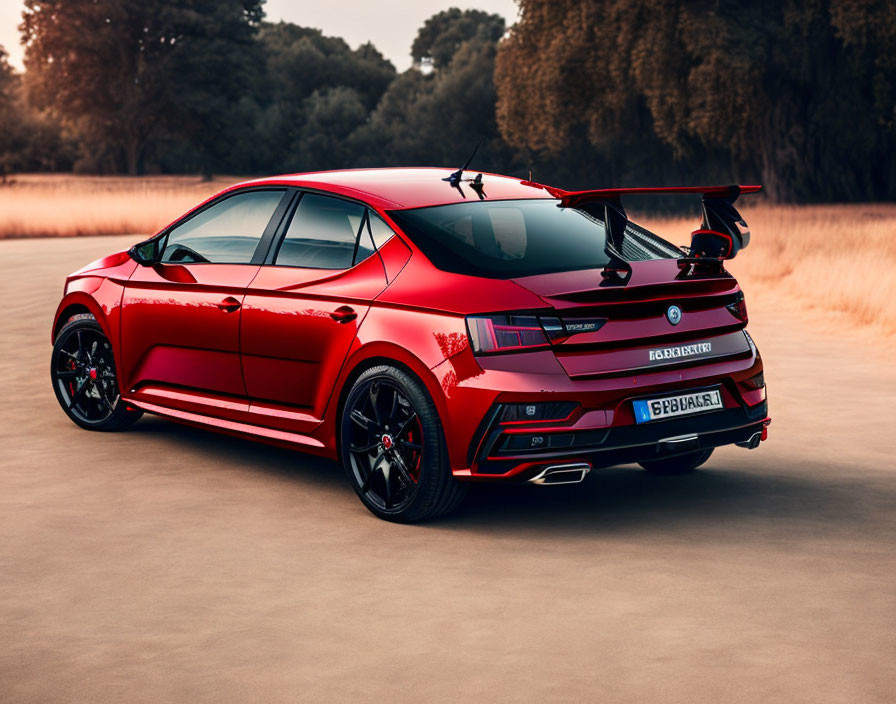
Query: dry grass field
[
  {"x": 837, "y": 260},
  {"x": 63, "y": 205}
]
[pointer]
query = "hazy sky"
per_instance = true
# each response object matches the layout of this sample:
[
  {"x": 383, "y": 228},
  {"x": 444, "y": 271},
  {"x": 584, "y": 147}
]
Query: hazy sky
[{"x": 390, "y": 24}]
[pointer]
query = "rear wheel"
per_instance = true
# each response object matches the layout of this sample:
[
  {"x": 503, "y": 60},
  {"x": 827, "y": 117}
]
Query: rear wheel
[
  {"x": 679, "y": 464},
  {"x": 82, "y": 369},
  {"x": 393, "y": 448}
]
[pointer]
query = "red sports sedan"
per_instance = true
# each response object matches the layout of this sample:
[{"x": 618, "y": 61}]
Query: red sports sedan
[{"x": 426, "y": 329}]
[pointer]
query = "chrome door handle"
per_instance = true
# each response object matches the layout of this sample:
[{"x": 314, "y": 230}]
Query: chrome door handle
[
  {"x": 230, "y": 304},
  {"x": 344, "y": 314}
]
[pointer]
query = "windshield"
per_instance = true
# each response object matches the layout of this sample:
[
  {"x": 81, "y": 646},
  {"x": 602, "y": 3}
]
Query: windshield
[{"x": 508, "y": 239}]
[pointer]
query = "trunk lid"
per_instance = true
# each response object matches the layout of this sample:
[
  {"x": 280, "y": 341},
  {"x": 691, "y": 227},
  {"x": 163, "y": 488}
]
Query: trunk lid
[{"x": 635, "y": 323}]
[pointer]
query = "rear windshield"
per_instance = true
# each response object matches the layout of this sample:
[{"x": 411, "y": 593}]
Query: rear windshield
[{"x": 507, "y": 239}]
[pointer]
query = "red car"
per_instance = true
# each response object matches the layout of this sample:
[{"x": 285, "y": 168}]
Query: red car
[{"x": 427, "y": 329}]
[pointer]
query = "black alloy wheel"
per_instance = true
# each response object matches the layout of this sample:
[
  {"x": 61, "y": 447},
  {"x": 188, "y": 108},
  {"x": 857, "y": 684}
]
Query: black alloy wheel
[
  {"x": 393, "y": 448},
  {"x": 84, "y": 377}
]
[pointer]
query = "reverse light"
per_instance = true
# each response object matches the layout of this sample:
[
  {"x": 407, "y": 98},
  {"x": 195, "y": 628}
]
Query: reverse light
[{"x": 738, "y": 307}]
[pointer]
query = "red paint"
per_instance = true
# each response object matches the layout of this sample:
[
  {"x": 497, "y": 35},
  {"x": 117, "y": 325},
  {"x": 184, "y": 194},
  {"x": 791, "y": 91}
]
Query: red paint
[{"x": 269, "y": 351}]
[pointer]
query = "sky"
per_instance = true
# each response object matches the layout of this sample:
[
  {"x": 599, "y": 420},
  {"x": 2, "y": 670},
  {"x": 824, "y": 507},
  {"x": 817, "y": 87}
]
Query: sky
[{"x": 390, "y": 24}]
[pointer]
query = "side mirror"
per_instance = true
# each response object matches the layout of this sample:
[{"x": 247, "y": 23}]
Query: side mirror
[{"x": 146, "y": 253}]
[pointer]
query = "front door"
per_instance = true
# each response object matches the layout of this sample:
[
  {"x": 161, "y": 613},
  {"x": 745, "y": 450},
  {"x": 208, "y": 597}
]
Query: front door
[{"x": 180, "y": 317}]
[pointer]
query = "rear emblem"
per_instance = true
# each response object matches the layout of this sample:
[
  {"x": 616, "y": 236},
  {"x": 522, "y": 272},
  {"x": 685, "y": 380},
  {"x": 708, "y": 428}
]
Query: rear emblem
[{"x": 673, "y": 315}]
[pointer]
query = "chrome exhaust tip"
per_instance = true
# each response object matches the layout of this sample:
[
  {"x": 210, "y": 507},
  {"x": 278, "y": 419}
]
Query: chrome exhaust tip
[
  {"x": 572, "y": 473},
  {"x": 753, "y": 442}
]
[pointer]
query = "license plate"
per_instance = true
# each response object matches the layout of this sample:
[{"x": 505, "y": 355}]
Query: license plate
[{"x": 672, "y": 406}]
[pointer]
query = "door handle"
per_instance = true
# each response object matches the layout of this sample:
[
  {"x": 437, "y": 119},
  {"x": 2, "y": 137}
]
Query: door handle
[
  {"x": 344, "y": 314},
  {"x": 230, "y": 304}
]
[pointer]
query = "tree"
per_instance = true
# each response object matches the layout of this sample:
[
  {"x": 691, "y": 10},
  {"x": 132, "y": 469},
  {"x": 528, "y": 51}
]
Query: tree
[
  {"x": 437, "y": 118},
  {"x": 773, "y": 85},
  {"x": 316, "y": 90},
  {"x": 121, "y": 73}
]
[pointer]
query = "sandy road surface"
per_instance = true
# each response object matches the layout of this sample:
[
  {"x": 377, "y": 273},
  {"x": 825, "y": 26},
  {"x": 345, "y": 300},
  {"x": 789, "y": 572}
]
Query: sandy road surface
[{"x": 170, "y": 564}]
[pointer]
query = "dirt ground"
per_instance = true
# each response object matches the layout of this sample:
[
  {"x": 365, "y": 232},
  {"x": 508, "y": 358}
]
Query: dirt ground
[{"x": 172, "y": 564}]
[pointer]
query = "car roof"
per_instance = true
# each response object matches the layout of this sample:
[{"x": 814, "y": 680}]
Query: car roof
[{"x": 397, "y": 188}]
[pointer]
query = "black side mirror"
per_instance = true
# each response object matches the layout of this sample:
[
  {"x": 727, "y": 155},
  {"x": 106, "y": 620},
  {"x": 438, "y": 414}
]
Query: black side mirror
[{"x": 146, "y": 253}]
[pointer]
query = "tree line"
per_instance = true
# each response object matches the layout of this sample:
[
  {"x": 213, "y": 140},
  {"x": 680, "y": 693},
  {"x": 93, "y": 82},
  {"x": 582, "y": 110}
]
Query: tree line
[{"x": 587, "y": 93}]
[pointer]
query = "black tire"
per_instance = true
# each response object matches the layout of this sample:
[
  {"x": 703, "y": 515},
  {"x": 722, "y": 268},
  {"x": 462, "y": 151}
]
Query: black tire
[
  {"x": 406, "y": 478},
  {"x": 679, "y": 464},
  {"x": 82, "y": 369}
]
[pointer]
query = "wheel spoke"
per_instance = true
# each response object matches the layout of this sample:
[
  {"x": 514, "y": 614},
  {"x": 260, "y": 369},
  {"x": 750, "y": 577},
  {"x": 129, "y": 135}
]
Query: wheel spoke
[
  {"x": 361, "y": 420},
  {"x": 373, "y": 468},
  {"x": 406, "y": 423},
  {"x": 403, "y": 470},
  {"x": 80, "y": 345},
  {"x": 365, "y": 449},
  {"x": 374, "y": 401},
  {"x": 76, "y": 397},
  {"x": 67, "y": 374},
  {"x": 410, "y": 445},
  {"x": 387, "y": 499}
]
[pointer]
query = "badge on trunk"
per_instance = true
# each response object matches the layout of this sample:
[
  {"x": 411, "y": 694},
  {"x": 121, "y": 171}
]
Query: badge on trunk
[{"x": 673, "y": 315}]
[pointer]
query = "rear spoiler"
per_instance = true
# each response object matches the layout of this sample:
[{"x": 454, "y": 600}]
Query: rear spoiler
[
  {"x": 722, "y": 234},
  {"x": 572, "y": 199}
]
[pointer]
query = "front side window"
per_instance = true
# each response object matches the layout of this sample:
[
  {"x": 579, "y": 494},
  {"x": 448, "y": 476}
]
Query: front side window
[
  {"x": 323, "y": 234},
  {"x": 227, "y": 232}
]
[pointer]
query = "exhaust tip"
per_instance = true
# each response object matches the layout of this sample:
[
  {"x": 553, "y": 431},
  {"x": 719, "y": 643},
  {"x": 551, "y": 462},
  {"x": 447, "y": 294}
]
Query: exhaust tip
[
  {"x": 571, "y": 473},
  {"x": 753, "y": 442}
]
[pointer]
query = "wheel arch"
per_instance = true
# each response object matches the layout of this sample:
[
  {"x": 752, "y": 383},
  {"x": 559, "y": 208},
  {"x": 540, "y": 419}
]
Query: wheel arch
[
  {"x": 77, "y": 303},
  {"x": 371, "y": 356}
]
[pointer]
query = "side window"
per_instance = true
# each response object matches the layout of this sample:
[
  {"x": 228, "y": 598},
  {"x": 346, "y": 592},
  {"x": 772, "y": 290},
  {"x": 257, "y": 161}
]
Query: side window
[
  {"x": 379, "y": 230},
  {"x": 322, "y": 234},
  {"x": 227, "y": 232}
]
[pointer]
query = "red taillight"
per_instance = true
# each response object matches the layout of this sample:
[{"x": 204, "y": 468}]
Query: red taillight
[
  {"x": 738, "y": 307},
  {"x": 505, "y": 333}
]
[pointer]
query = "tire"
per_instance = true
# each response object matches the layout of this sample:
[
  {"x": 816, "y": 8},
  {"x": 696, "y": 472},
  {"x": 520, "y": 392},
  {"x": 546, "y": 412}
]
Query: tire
[
  {"x": 393, "y": 448},
  {"x": 679, "y": 464},
  {"x": 83, "y": 372}
]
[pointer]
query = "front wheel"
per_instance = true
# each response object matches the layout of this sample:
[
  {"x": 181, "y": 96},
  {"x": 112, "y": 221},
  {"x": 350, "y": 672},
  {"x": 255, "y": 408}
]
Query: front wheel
[
  {"x": 82, "y": 369},
  {"x": 679, "y": 464},
  {"x": 393, "y": 448}
]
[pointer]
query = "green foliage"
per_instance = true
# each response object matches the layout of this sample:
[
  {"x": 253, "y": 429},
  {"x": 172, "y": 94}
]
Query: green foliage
[
  {"x": 122, "y": 73},
  {"x": 800, "y": 93}
]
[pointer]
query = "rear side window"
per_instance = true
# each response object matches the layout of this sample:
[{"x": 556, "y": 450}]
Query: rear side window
[
  {"x": 226, "y": 232},
  {"x": 323, "y": 234}
]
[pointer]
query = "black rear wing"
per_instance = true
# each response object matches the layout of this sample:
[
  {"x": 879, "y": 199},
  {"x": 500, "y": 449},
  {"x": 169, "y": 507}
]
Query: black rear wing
[{"x": 722, "y": 233}]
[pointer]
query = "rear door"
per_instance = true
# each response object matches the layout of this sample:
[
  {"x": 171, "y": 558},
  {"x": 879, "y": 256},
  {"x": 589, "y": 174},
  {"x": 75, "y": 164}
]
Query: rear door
[
  {"x": 302, "y": 311},
  {"x": 180, "y": 318}
]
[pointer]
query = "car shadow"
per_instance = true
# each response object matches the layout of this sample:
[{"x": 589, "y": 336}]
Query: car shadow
[{"x": 726, "y": 491}]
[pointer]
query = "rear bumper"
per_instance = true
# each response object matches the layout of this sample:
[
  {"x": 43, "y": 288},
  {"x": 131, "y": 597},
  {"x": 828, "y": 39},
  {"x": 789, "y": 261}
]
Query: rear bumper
[
  {"x": 517, "y": 455},
  {"x": 602, "y": 430}
]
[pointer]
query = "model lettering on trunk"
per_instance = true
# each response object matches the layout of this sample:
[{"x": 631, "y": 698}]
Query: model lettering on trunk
[{"x": 680, "y": 351}]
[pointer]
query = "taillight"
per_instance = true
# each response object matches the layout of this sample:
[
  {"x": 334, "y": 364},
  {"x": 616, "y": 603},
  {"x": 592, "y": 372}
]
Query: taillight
[
  {"x": 505, "y": 333},
  {"x": 738, "y": 307},
  {"x": 755, "y": 382},
  {"x": 524, "y": 331}
]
